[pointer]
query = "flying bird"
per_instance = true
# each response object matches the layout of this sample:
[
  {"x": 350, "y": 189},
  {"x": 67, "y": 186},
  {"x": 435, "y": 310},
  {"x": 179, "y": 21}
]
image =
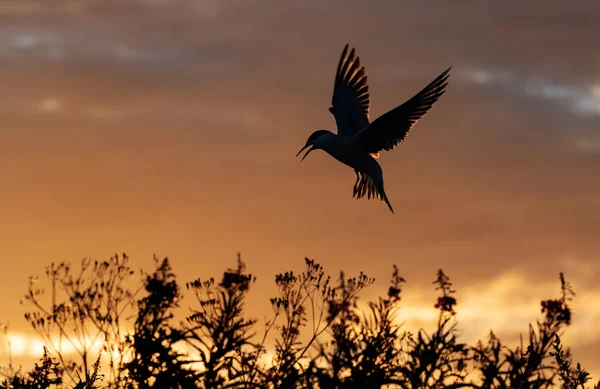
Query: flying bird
[{"x": 358, "y": 141}]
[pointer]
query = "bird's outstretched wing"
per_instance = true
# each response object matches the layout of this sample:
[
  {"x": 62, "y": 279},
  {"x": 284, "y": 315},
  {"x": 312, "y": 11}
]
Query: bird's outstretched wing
[
  {"x": 391, "y": 128},
  {"x": 350, "y": 102}
]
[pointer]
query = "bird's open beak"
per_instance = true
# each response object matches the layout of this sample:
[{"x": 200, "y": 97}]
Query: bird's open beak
[{"x": 304, "y": 148}]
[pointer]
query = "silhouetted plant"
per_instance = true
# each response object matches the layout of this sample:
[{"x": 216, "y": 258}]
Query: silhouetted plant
[
  {"x": 369, "y": 350},
  {"x": 310, "y": 288},
  {"x": 322, "y": 338},
  {"x": 217, "y": 330},
  {"x": 48, "y": 374},
  {"x": 94, "y": 376},
  {"x": 155, "y": 363},
  {"x": 85, "y": 307},
  {"x": 45, "y": 375},
  {"x": 531, "y": 366},
  {"x": 363, "y": 349},
  {"x": 438, "y": 359},
  {"x": 571, "y": 377}
]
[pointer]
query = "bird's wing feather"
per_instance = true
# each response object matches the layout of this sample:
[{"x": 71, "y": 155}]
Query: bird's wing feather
[
  {"x": 391, "y": 128},
  {"x": 350, "y": 102}
]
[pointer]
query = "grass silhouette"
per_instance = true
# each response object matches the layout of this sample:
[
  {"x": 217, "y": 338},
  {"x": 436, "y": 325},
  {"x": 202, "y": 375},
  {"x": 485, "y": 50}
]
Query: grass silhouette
[{"x": 322, "y": 338}]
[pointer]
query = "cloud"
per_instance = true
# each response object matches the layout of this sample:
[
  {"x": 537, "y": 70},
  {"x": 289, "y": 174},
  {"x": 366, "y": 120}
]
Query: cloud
[
  {"x": 19, "y": 8},
  {"x": 587, "y": 144},
  {"x": 581, "y": 101},
  {"x": 128, "y": 53},
  {"x": 507, "y": 304},
  {"x": 32, "y": 7},
  {"x": 27, "y": 345},
  {"x": 27, "y": 39},
  {"x": 108, "y": 8},
  {"x": 49, "y": 105},
  {"x": 63, "y": 44},
  {"x": 99, "y": 112}
]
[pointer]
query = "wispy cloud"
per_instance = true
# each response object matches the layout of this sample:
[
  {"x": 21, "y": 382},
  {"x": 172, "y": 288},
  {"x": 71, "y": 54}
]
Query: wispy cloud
[
  {"x": 20, "y": 8},
  {"x": 49, "y": 105},
  {"x": 198, "y": 8},
  {"x": 100, "y": 112},
  {"x": 580, "y": 100},
  {"x": 43, "y": 43},
  {"x": 589, "y": 144}
]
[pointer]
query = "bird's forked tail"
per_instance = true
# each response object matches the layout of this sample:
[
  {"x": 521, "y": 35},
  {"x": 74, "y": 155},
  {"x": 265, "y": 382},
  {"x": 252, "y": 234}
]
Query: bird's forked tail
[{"x": 367, "y": 186}]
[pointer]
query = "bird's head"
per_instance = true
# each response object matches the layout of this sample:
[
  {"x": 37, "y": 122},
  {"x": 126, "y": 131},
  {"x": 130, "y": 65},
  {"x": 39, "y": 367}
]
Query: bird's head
[{"x": 313, "y": 140}]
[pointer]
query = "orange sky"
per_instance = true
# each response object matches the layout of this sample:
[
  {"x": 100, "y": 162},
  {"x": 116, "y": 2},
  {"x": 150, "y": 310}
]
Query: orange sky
[{"x": 170, "y": 127}]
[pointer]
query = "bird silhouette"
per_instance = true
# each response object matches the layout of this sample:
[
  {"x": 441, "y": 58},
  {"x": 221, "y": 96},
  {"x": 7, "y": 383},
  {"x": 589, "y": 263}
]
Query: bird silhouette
[{"x": 358, "y": 141}]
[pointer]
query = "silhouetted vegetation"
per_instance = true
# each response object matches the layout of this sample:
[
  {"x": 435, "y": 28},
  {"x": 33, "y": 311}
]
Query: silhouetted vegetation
[{"x": 322, "y": 339}]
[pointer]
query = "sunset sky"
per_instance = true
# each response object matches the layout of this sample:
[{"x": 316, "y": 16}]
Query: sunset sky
[{"x": 170, "y": 127}]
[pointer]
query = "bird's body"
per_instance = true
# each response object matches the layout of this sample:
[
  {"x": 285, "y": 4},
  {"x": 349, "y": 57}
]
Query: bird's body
[
  {"x": 368, "y": 171},
  {"x": 341, "y": 148},
  {"x": 358, "y": 142}
]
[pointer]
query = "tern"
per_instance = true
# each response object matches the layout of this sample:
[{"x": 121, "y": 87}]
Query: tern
[{"x": 358, "y": 141}]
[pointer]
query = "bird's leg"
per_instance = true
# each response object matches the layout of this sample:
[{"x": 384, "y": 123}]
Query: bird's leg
[
  {"x": 356, "y": 183},
  {"x": 363, "y": 188}
]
